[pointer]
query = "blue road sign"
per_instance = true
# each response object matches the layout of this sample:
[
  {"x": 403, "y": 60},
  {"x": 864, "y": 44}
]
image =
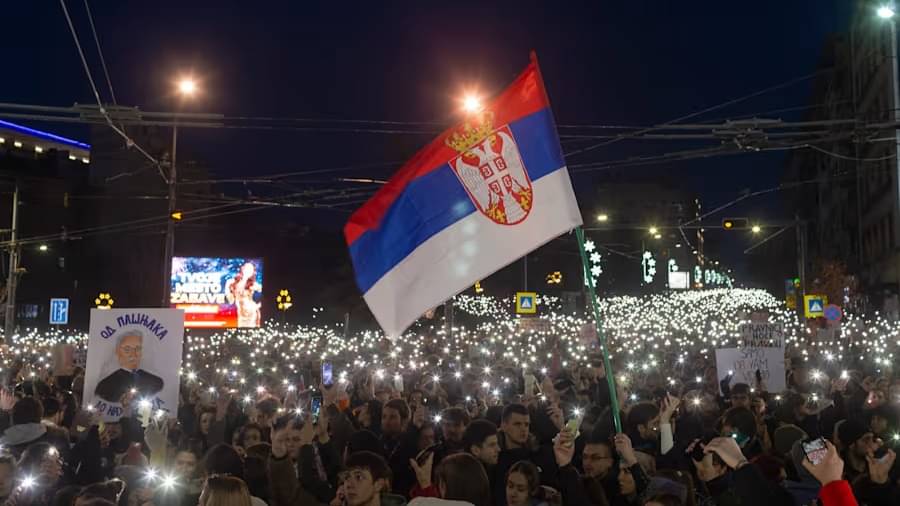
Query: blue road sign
[
  {"x": 59, "y": 311},
  {"x": 833, "y": 313}
]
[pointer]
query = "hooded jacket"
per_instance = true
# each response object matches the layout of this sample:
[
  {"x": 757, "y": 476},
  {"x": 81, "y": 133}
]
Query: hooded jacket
[{"x": 805, "y": 490}]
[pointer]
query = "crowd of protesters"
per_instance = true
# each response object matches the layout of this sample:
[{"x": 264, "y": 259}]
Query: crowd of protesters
[{"x": 434, "y": 437}]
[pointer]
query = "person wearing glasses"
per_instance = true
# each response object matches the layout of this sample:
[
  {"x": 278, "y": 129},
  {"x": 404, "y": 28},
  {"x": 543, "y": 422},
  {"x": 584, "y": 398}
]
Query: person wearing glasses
[{"x": 129, "y": 375}]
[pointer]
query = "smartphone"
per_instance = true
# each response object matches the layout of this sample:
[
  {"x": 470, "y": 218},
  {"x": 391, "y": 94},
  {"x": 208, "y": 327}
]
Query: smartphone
[
  {"x": 398, "y": 383},
  {"x": 327, "y": 374},
  {"x": 739, "y": 438},
  {"x": 530, "y": 381},
  {"x": 423, "y": 455},
  {"x": 315, "y": 407},
  {"x": 815, "y": 450}
]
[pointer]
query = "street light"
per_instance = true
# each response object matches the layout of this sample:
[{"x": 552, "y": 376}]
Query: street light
[
  {"x": 603, "y": 217},
  {"x": 186, "y": 87},
  {"x": 885, "y": 12},
  {"x": 42, "y": 247},
  {"x": 654, "y": 230},
  {"x": 756, "y": 229}
]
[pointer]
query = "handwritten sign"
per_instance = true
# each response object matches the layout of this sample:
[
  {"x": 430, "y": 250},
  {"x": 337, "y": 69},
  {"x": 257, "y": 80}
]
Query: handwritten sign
[
  {"x": 133, "y": 352},
  {"x": 761, "y": 335},
  {"x": 760, "y": 348},
  {"x": 744, "y": 362}
]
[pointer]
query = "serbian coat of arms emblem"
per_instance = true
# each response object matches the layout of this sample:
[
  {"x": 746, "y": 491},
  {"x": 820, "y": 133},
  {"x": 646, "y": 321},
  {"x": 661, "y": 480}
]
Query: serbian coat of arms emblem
[{"x": 491, "y": 170}]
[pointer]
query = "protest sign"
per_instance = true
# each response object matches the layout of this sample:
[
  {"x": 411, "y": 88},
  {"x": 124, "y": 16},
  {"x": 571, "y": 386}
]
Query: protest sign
[
  {"x": 760, "y": 347},
  {"x": 761, "y": 334},
  {"x": 133, "y": 350},
  {"x": 745, "y": 361}
]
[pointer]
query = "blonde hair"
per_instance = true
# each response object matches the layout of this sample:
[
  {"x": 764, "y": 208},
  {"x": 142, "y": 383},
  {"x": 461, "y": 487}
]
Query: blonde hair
[{"x": 226, "y": 491}]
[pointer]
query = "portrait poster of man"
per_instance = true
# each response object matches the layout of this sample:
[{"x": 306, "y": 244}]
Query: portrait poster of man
[{"x": 133, "y": 350}]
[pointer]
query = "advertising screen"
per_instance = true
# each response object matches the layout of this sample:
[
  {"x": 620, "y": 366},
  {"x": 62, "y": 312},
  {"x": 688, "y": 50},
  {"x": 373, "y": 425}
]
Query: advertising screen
[{"x": 217, "y": 292}]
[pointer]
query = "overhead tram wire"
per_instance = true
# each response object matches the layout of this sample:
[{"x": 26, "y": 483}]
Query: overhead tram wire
[
  {"x": 156, "y": 221},
  {"x": 702, "y": 111},
  {"x": 112, "y": 93},
  {"x": 79, "y": 232},
  {"x": 87, "y": 71}
]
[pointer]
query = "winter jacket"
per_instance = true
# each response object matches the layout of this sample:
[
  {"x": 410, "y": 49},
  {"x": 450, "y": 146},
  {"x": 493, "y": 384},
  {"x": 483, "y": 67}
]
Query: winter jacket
[
  {"x": 875, "y": 494},
  {"x": 747, "y": 487},
  {"x": 837, "y": 493},
  {"x": 285, "y": 487},
  {"x": 540, "y": 455}
]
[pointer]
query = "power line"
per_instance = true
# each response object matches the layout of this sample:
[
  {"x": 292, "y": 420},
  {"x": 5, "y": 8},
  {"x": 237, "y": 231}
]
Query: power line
[
  {"x": 112, "y": 93},
  {"x": 270, "y": 177},
  {"x": 702, "y": 111},
  {"x": 129, "y": 141}
]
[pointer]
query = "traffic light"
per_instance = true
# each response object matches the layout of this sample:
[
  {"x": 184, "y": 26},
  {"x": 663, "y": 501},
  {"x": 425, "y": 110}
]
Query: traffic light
[{"x": 735, "y": 223}]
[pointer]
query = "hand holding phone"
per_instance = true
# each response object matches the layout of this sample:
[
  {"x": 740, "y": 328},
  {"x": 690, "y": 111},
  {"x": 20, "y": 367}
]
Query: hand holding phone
[{"x": 815, "y": 450}]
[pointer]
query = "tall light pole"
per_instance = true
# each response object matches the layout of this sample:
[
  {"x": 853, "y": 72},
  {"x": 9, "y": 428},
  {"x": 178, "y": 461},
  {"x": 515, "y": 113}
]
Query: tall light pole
[
  {"x": 888, "y": 13},
  {"x": 12, "y": 280},
  {"x": 187, "y": 88}
]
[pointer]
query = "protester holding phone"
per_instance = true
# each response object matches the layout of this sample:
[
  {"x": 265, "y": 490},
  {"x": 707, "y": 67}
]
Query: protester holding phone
[{"x": 829, "y": 469}]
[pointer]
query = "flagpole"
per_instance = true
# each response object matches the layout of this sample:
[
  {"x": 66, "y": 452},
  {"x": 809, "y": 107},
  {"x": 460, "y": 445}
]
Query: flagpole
[{"x": 610, "y": 380}]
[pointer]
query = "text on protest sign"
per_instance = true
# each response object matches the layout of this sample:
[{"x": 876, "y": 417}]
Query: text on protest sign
[
  {"x": 761, "y": 335},
  {"x": 133, "y": 352}
]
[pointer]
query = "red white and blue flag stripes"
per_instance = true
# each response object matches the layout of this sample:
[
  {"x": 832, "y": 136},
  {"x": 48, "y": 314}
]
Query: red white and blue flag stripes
[{"x": 478, "y": 197}]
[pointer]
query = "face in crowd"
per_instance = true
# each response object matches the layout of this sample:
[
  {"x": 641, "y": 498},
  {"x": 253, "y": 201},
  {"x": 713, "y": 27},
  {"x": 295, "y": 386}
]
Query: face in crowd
[
  {"x": 360, "y": 488},
  {"x": 516, "y": 428},
  {"x": 488, "y": 452},
  {"x": 391, "y": 422},
  {"x": 597, "y": 460}
]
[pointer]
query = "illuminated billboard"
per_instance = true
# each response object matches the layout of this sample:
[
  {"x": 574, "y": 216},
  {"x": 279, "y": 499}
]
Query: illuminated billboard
[{"x": 217, "y": 292}]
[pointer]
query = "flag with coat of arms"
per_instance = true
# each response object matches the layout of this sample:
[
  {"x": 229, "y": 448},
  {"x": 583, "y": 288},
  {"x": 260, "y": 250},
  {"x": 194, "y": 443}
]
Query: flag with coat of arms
[{"x": 478, "y": 197}]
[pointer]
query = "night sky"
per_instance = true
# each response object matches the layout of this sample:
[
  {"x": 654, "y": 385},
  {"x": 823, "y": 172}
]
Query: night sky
[{"x": 605, "y": 63}]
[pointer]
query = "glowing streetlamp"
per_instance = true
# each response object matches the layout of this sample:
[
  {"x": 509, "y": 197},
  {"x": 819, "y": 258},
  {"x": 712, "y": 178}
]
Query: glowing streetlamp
[
  {"x": 603, "y": 217},
  {"x": 885, "y": 12},
  {"x": 284, "y": 300},
  {"x": 104, "y": 301},
  {"x": 187, "y": 86},
  {"x": 654, "y": 230},
  {"x": 756, "y": 229}
]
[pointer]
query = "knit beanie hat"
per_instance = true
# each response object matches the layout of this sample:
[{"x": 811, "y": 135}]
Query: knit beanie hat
[{"x": 850, "y": 432}]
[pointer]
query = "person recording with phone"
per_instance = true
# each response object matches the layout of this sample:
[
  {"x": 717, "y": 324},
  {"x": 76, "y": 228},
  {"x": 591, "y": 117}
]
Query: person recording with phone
[
  {"x": 728, "y": 477},
  {"x": 740, "y": 424}
]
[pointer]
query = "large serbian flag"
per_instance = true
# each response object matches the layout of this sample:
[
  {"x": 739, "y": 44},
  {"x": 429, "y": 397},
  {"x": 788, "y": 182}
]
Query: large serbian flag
[{"x": 478, "y": 197}]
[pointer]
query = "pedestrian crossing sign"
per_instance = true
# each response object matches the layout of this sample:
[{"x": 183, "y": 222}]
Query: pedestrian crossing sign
[
  {"x": 814, "y": 306},
  {"x": 526, "y": 303}
]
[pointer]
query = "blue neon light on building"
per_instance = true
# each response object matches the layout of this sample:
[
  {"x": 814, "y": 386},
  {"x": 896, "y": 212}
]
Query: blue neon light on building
[{"x": 44, "y": 135}]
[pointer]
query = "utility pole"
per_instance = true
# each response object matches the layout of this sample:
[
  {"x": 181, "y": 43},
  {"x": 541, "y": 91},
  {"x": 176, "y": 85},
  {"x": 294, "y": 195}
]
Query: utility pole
[
  {"x": 801, "y": 265},
  {"x": 895, "y": 116},
  {"x": 12, "y": 278},
  {"x": 170, "y": 224},
  {"x": 525, "y": 273}
]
